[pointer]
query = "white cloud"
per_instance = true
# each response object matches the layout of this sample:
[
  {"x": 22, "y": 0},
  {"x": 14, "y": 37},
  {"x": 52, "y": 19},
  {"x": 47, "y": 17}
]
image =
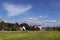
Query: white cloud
[
  {"x": 9, "y": 21},
  {"x": 0, "y": 17},
  {"x": 31, "y": 19},
  {"x": 14, "y": 10},
  {"x": 42, "y": 16},
  {"x": 50, "y": 21}
]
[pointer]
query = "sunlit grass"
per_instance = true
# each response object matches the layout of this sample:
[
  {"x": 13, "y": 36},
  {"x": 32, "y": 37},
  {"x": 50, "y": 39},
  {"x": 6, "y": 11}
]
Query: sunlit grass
[{"x": 30, "y": 35}]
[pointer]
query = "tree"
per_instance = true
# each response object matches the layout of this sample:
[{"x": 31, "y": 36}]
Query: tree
[
  {"x": 16, "y": 26},
  {"x": 53, "y": 28},
  {"x": 58, "y": 28},
  {"x": 2, "y": 25},
  {"x": 33, "y": 28}
]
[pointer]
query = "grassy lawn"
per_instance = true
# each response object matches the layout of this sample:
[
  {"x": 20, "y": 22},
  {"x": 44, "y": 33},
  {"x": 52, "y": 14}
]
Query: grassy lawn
[{"x": 30, "y": 35}]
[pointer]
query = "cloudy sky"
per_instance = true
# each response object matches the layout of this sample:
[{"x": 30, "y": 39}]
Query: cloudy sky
[{"x": 46, "y": 12}]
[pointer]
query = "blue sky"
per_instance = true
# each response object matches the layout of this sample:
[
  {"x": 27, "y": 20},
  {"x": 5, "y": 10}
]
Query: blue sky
[{"x": 31, "y": 11}]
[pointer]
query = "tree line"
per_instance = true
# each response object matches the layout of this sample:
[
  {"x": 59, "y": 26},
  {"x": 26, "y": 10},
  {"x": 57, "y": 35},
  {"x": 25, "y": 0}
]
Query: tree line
[
  {"x": 54, "y": 28},
  {"x": 15, "y": 26}
]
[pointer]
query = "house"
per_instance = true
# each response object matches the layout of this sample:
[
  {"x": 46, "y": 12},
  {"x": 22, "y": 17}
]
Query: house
[
  {"x": 22, "y": 28},
  {"x": 38, "y": 25}
]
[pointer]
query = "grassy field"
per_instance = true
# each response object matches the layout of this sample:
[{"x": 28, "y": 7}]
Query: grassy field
[{"x": 30, "y": 35}]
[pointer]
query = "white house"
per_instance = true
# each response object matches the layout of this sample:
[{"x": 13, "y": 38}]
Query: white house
[
  {"x": 37, "y": 25},
  {"x": 22, "y": 28}
]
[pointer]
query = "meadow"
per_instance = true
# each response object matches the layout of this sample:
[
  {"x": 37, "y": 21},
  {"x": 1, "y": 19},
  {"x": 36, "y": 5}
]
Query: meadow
[{"x": 30, "y": 35}]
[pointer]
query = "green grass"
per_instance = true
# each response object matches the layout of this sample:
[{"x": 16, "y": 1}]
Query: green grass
[{"x": 30, "y": 35}]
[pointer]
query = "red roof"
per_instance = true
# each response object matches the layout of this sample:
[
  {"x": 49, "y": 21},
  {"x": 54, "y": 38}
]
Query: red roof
[{"x": 37, "y": 25}]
